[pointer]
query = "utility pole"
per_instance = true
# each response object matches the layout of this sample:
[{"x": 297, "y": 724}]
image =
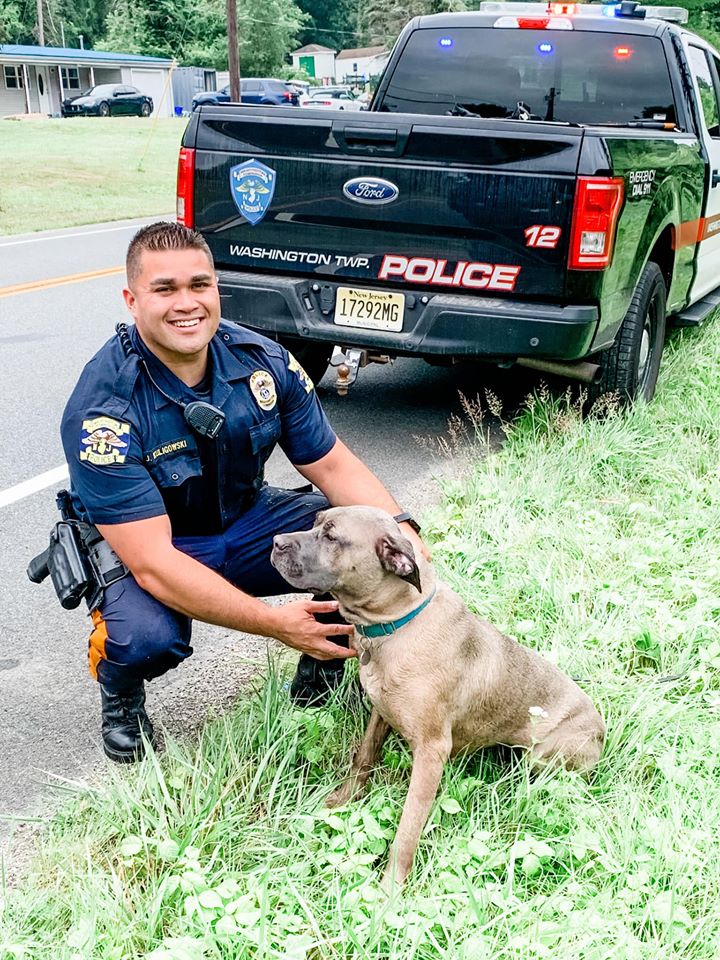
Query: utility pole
[
  {"x": 40, "y": 24},
  {"x": 233, "y": 51}
]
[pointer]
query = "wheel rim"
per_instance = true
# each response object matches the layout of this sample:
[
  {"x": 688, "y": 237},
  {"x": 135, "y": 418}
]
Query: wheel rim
[{"x": 646, "y": 352}]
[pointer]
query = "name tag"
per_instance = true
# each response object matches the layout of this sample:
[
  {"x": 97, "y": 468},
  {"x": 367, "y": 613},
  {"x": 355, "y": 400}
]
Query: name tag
[{"x": 172, "y": 446}]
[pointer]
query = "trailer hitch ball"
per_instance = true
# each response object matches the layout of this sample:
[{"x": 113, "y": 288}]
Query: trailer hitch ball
[
  {"x": 347, "y": 363},
  {"x": 343, "y": 380}
]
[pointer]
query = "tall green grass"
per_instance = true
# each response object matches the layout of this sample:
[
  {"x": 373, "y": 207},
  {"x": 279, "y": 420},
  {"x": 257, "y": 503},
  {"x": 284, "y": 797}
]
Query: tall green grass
[{"x": 595, "y": 542}]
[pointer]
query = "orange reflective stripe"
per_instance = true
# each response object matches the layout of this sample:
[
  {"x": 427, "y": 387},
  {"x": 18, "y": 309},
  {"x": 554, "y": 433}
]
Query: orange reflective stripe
[
  {"x": 688, "y": 233},
  {"x": 96, "y": 644}
]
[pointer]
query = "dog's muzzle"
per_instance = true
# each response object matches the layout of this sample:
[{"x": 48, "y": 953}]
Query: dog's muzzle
[{"x": 285, "y": 557}]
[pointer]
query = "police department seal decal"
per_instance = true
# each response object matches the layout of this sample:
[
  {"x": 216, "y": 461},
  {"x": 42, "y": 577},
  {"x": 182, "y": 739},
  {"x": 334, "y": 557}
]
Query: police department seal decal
[
  {"x": 252, "y": 186},
  {"x": 102, "y": 443},
  {"x": 262, "y": 386}
]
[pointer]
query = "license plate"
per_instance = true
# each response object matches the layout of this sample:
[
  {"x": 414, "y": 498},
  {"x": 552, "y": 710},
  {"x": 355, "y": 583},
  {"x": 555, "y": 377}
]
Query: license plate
[{"x": 369, "y": 309}]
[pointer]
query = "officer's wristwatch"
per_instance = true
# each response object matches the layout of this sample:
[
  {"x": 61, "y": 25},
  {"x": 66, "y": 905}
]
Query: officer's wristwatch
[{"x": 408, "y": 518}]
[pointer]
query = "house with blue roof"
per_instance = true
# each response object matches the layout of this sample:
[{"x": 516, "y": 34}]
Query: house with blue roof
[{"x": 37, "y": 79}]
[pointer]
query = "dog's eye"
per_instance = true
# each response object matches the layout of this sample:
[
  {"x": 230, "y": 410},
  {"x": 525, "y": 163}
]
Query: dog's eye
[{"x": 330, "y": 537}]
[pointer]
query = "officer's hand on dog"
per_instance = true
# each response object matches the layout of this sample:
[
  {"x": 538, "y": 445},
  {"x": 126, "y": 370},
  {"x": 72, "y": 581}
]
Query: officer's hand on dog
[{"x": 297, "y": 627}]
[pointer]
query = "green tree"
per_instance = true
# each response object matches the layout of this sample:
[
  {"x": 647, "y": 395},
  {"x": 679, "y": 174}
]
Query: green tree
[
  {"x": 70, "y": 19},
  {"x": 332, "y": 23},
  {"x": 382, "y": 20},
  {"x": 15, "y": 25},
  {"x": 196, "y": 33}
]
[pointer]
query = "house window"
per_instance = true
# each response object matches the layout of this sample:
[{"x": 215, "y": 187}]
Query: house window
[
  {"x": 13, "y": 78},
  {"x": 70, "y": 78}
]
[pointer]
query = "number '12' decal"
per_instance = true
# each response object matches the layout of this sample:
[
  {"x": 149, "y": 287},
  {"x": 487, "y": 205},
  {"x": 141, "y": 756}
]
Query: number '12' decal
[{"x": 538, "y": 236}]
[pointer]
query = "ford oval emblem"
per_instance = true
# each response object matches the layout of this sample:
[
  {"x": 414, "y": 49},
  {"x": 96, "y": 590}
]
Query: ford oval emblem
[{"x": 370, "y": 190}]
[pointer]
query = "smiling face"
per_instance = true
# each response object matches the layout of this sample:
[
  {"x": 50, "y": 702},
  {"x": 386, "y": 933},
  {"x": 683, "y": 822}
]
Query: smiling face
[{"x": 175, "y": 302}]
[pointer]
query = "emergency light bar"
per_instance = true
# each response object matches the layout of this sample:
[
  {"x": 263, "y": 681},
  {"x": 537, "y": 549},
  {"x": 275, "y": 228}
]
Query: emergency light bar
[{"x": 625, "y": 9}]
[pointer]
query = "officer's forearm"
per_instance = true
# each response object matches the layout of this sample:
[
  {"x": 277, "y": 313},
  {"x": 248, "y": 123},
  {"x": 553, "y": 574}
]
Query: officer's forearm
[
  {"x": 346, "y": 481},
  {"x": 191, "y": 588},
  {"x": 178, "y": 581}
]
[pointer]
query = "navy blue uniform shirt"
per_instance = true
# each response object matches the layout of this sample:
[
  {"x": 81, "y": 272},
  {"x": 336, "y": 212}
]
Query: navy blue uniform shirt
[{"x": 132, "y": 456}]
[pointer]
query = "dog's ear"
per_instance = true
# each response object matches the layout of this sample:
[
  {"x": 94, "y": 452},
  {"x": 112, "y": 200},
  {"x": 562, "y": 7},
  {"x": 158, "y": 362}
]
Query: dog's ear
[{"x": 397, "y": 556}]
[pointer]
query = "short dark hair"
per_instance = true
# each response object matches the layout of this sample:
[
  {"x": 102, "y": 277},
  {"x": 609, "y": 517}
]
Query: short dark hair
[{"x": 163, "y": 235}]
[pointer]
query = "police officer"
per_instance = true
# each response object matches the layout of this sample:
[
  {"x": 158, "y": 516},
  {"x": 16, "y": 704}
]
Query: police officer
[{"x": 179, "y": 494}]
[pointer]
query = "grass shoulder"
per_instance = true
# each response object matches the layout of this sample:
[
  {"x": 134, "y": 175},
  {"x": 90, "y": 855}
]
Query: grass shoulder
[{"x": 63, "y": 173}]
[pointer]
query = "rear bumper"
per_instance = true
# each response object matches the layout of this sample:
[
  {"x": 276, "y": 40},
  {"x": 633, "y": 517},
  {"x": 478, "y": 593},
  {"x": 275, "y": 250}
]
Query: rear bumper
[{"x": 445, "y": 325}]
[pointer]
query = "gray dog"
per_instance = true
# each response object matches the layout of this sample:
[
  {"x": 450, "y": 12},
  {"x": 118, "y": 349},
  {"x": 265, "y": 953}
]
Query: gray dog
[{"x": 434, "y": 672}]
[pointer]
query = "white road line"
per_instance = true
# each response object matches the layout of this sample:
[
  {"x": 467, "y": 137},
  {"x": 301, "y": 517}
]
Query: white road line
[
  {"x": 28, "y": 487},
  {"x": 81, "y": 233}
]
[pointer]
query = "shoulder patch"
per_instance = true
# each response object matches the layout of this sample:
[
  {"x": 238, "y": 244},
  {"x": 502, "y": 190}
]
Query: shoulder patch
[
  {"x": 104, "y": 440},
  {"x": 262, "y": 387},
  {"x": 295, "y": 367}
]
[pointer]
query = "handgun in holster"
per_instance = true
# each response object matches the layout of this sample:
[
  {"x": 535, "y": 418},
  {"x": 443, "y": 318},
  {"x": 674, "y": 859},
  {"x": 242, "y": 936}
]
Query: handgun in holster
[{"x": 80, "y": 563}]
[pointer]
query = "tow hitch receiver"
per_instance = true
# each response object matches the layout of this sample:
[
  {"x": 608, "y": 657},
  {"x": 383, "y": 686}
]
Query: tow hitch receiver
[{"x": 348, "y": 361}]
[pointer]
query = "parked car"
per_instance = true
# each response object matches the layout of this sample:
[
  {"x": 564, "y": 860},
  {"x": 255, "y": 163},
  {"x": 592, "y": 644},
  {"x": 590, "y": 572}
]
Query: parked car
[
  {"x": 253, "y": 90},
  {"x": 301, "y": 87},
  {"x": 108, "y": 99},
  {"x": 338, "y": 98}
]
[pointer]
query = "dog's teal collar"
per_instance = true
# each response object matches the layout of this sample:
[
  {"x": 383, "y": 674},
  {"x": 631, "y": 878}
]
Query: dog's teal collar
[{"x": 387, "y": 629}]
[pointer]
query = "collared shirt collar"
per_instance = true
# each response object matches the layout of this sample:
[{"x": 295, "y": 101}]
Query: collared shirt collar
[{"x": 226, "y": 369}]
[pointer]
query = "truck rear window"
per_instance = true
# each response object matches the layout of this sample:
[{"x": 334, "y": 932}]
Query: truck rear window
[{"x": 573, "y": 76}]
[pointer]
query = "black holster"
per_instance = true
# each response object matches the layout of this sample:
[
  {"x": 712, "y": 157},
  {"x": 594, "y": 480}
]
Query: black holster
[{"x": 80, "y": 563}]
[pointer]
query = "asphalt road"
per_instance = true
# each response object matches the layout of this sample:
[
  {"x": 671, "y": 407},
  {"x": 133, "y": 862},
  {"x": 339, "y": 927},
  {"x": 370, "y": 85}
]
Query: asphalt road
[{"x": 49, "y": 707}]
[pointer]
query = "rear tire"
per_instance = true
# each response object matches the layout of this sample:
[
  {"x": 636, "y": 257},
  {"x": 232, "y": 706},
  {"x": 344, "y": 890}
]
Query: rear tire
[
  {"x": 312, "y": 355},
  {"x": 630, "y": 367}
]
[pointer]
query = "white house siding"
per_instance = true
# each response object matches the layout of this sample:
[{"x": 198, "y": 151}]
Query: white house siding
[
  {"x": 362, "y": 66},
  {"x": 324, "y": 64},
  {"x": 11, "y": 101}
]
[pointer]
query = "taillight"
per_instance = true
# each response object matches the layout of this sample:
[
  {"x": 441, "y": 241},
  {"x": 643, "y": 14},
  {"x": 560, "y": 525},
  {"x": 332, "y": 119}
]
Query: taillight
[
  {"x": 185, "y": 187},
  {"x": 595, "y": 214}
]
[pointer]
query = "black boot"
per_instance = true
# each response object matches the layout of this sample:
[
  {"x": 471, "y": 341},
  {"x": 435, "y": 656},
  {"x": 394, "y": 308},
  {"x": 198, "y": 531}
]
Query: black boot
[
  {"x": 315, "y": 680},
  {"x": 123, "y": 716}
]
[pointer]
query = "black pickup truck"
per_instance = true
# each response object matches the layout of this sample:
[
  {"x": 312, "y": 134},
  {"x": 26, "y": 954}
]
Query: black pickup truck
[{"x": 533, "y": 184}]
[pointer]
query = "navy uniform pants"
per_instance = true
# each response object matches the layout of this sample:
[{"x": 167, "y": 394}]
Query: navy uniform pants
[{"x": 135, "y": 637}]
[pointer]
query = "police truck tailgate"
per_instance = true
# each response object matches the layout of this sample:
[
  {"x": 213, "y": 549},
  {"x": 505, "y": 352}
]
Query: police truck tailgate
[{"x": 371, "y": 198}]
